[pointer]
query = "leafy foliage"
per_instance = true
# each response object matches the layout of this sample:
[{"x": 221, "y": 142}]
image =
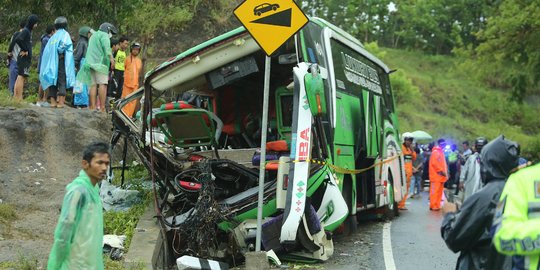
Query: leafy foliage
[
  {"x": 435, "y": 94},
  {"x": 510, "y": 47},
  {"x": 124, "y": 223}
]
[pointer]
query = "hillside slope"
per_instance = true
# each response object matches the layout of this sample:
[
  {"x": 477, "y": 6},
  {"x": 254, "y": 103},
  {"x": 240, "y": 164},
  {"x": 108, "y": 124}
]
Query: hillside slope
[
  {"x": 40, "y": 152},
  {"x": 437, "y": 94}
]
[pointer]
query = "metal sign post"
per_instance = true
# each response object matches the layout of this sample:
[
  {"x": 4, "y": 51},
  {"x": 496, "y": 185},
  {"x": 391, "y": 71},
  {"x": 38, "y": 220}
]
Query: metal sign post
[
  {"x": 271, "y": 25},
  {"x": 263, "y": 152}
]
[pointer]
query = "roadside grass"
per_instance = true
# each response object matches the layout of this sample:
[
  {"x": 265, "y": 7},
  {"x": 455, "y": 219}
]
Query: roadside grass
[
  {"x": 22, "y": 263},
  {"x": 7, "y": 101},
  {"x": 119, "y": 265},
  {"x": 7, "y": 212},
  {"x": 124, "y": 223},
  {"x": 438, "y": 94}
]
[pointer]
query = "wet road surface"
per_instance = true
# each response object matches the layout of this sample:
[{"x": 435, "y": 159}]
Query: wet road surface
[{"x": 415, "y": 238}]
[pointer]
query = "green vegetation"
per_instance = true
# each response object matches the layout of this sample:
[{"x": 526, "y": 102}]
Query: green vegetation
[
  {"x": 438, "y": 94},
  {"x": 119, "y": 265},
  {"x": 7, "y": 212},
  {"x": 22, "y": 263},
  {"x": 124, "y": 223}
]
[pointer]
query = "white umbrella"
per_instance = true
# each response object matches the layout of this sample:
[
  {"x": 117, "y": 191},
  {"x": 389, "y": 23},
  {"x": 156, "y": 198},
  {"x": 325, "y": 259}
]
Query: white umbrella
[
  {"x": 406, "y": 135},
  {"x": 421, "y": 135}
]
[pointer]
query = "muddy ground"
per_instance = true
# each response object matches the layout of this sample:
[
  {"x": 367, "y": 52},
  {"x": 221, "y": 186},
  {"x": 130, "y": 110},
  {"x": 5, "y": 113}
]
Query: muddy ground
[{"x": 40, "y": 152}]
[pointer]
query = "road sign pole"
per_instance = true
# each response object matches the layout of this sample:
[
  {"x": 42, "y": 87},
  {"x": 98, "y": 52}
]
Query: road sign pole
[{"x": 263, "y": 152}]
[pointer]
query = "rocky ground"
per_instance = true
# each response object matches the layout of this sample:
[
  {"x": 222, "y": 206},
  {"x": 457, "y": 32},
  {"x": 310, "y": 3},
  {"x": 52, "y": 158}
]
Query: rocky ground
[{"x": 40, "y": 152}]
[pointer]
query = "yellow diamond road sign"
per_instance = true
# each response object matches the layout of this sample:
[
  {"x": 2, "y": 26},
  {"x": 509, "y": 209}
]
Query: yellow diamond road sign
[{"x": 271, "y": 22}]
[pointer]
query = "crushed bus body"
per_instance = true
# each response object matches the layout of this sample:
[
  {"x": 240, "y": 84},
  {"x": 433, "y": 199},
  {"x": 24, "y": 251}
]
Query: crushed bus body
[{"x": 333, "y": 149}]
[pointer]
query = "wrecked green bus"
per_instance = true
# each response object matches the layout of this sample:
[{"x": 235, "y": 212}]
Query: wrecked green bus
[{"x": 333, "y": 150}]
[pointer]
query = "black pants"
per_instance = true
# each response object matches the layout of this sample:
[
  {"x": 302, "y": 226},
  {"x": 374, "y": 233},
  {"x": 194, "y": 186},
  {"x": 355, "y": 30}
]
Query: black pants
[
  {"x": 119, "y": 76},
  {"x": 60, "y": 88},
  {"x": 452, "y": 167}
]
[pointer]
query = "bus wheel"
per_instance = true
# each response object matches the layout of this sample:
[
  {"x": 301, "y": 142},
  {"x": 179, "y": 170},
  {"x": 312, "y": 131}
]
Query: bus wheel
[
  {"x": 391, "y": 209},
  {"x": 350, "y": 225}
]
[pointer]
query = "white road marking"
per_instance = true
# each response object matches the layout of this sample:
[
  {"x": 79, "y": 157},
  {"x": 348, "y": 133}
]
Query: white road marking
[{"x": 387, "y": 247}]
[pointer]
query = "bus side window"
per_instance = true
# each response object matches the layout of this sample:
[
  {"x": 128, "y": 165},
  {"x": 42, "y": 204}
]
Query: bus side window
[{"x": 284, "y": 113}]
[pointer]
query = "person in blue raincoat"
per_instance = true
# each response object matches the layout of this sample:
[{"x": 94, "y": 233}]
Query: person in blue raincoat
[{"x": 57, "y": 70}]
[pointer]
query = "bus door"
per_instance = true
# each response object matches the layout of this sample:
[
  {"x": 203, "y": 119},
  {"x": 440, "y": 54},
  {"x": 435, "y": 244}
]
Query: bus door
[{"x": 347, "y": 111}]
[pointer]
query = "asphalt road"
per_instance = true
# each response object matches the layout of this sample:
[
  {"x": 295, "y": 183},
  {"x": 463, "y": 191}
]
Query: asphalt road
[
  {"x": 416, "y": 238},
  {"x": 414, "y": 243}
]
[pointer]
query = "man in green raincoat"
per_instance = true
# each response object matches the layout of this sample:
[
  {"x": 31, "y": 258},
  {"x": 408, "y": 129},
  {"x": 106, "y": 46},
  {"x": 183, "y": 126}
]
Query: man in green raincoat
[
  {"x": 99, "y": 60},
  {"x": 78, "y": 238}
]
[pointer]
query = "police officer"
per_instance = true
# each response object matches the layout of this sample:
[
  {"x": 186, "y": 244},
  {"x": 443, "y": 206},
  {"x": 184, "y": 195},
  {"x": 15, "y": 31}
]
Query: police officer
[{"x": 517, "y": 220}]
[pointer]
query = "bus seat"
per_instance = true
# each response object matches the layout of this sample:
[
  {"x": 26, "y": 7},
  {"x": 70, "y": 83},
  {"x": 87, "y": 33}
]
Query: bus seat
[{"x": 200, "y": 131}]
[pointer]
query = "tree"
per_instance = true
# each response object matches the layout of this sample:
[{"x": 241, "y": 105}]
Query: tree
[{"x": 508, "y": 51}]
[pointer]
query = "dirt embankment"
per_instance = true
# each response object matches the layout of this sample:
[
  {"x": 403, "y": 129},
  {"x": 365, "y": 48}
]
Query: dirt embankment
[{"x": 40, "y": 153}]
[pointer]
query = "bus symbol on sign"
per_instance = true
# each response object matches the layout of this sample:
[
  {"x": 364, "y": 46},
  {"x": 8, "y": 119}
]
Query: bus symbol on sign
[{"x": 263, "y": 8}]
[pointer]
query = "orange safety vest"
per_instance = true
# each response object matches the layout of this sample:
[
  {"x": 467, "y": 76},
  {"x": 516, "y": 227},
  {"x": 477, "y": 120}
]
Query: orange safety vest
[
  {"x": 437, "y": 163},
  {"x": 410, "y": 156}
]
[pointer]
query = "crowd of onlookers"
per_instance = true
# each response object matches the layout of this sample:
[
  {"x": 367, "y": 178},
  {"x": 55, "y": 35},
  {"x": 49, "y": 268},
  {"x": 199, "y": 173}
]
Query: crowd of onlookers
[
  {"x": 98, "y": 68},
  {"x": 496, "y": 222}
]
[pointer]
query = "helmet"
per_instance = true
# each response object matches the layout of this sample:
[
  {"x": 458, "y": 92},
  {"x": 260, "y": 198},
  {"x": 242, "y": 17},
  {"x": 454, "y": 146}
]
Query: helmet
[
  {"x": 83, "y": 31},
  {"x": 108, "y": 28},
  {"x": 60, "y": 23},
  {"x": 479, "y": 143},
  {"x": 135, "y": 45}
]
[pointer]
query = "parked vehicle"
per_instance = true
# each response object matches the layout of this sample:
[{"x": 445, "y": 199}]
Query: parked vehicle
[{"x": 333, "y": 148}]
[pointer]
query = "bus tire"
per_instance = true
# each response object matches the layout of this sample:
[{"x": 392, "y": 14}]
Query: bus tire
[
  {"x": 350, "y": 225},
  {"x": 391, "y": 210}
]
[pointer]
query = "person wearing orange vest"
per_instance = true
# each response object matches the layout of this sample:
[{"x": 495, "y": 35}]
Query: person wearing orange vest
[
  {"x": 437, "y": 175},
  {"x": 409, "y": 155},
  {"x": 133, "y": 68}
]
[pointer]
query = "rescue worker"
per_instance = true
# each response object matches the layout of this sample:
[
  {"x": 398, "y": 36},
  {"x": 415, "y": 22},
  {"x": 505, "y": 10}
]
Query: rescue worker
[
  {"x": 78, "y": 237},
  {"x": 133, "y": 68},
  {"x": 57, "y": 71},
  {"x": 467, "y": 230},
  {"x": 437, "y": 175},
  {"x": 469, "y": 179},
  {"x": 516, "y": 225},
  {"x": 409, "y": 155}
]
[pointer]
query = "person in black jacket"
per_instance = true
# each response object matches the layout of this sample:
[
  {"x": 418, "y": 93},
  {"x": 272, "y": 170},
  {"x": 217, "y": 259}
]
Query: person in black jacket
[
  {"x": 13, "y": 52},
  {"x": 24, "y": 59},
  {"x": 467, "y": 230}
]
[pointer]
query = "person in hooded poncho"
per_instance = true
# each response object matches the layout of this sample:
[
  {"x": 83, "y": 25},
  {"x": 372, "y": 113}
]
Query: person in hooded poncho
[
  {"x": 57, "y": 70},
  {"x": 99, "y": 59},
  {"x": 78, "y": 237},
  {"x": 467, "y": 230},
  {"x": 80, "y": 95}
]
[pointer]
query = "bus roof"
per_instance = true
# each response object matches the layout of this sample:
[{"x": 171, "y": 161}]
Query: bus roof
[{"x": 241, "y": 32}]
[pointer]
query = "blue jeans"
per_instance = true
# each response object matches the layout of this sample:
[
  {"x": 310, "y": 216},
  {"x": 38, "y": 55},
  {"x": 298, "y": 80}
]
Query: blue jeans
[
  {"x": 416, "y": 181},
  {"x": 13, "y": 72}
]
